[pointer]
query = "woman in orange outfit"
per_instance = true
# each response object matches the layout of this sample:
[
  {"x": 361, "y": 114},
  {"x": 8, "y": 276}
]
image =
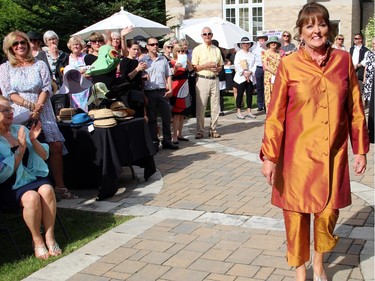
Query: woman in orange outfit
[{"x": 316, "y": 103}]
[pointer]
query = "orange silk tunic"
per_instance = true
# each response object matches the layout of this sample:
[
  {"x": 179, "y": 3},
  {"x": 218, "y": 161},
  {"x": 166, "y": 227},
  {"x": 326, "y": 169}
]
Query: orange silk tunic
[{"x": 313, "y": 111}]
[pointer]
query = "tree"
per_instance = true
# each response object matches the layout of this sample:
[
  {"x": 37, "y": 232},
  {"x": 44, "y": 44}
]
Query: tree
[
  {"x": 66, "y": 17},
  {"x": 369, "y": 32}
]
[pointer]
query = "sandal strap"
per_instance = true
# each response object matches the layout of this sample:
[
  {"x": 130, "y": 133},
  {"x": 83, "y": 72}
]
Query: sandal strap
[
  {"x": 41, "y": 252},
  {"x": 54, "y": 250}
]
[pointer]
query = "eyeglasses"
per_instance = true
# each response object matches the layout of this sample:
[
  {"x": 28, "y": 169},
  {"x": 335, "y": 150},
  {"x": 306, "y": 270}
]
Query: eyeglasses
[
  {"x": 7, "y": 110},
  {"x": 16, "y": 43},
  {"x": 207, "y": 34},
  {"x": 181, "y": 52},
  {"x": 286, "y": 35},
  {"x": 169, "y": 47},
  {"x": 153, "y": 44},
  {"x": 341, "y": 39},
  {"x": 246, "y": 43},
  {"x": 96, "y": 41},
  {"x": 357, "y": 38}
]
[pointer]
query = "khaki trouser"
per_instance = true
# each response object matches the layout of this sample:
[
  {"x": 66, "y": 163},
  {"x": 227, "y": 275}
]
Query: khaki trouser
[
  {"x": 206, "y": 88},
  {"x": 297, "y": 227}
]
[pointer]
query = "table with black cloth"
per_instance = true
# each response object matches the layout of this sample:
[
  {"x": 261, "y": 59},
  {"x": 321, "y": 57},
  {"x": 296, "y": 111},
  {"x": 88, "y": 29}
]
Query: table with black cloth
[{"x": 96, "y": 158}]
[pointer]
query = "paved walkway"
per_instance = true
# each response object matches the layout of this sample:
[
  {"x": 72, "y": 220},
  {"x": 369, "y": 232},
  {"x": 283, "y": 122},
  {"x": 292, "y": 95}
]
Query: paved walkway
[{"x": 206, "y": 215}]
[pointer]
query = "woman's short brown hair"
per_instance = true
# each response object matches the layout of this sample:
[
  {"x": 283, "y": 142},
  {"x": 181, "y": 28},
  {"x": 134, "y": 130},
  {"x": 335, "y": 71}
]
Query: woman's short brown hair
[
  {"x": 7, "y": 47},
  {"x": 311, "y": 12},
  {"x": 96, "y": 36}
]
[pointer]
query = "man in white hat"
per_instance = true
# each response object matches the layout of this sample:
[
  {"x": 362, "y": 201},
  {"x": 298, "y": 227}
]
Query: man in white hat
[
  {"x": 259, "y": 73},
  {"x": 207, "y": 62}
]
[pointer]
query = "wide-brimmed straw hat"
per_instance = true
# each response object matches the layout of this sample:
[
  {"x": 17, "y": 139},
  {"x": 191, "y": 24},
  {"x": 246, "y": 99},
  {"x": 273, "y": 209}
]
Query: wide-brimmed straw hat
[
  {"x": 66, "y": 114},
  {"x": 273, "y": 39},
  {"x": 245, "y": 40},
  {"x": 104, "y": 118},
  {"x": 120, "y": 106}
]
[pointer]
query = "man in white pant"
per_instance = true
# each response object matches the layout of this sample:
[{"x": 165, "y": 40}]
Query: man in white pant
[{"x": 207, "y": 62}]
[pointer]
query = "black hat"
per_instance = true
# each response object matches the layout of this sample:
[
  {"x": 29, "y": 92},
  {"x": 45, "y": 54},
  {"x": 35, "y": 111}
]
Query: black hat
[{"x": 34, "y": 35}]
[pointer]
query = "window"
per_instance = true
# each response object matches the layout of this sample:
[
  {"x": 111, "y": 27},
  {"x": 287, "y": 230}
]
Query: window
[{"x": 247, "y": 14}]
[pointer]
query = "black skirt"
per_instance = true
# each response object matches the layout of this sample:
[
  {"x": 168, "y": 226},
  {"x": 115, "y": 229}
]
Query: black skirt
[{"x": 10, "y": 199}]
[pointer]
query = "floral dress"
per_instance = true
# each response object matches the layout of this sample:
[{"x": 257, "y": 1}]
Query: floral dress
[
  {"x": 370, "y": 72},
  {"x": 29, "y": 81},
  {"x": 272, "y": 59},
  {"x": 79, "y": 100}
]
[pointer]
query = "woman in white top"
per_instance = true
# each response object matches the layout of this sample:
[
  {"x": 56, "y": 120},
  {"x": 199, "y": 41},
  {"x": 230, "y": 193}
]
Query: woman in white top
[
  {"x": 244, "y": 63},
  {"x": 339, "y": 42}
]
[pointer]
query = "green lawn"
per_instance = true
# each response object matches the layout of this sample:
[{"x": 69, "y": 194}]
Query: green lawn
[{"x": 82, "y": 227}]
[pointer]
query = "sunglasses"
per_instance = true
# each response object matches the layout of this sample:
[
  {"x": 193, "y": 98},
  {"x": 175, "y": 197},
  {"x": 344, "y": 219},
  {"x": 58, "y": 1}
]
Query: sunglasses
[
  {"x": 153, "y": 44},
  {"x": 181, "y": 51},
  {"x": 357, "y": 38},
  {"x": 286, "y": 35},
  {"x": 96, "y": 41},
  {"x": 16, "y": 43},
  {"x": 341, "y": 39},
  {"x": 7, "y": 110},
  {"x": 207, "y": 34},
  {"x": 169, "y": 47}
]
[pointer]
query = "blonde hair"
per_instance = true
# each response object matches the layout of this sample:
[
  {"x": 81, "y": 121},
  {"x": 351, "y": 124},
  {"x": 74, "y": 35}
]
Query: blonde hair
[
  {"x": 176, "y": 48},
  {"x": 76, "y": 40},
  {"x": 8, "y": 51}
]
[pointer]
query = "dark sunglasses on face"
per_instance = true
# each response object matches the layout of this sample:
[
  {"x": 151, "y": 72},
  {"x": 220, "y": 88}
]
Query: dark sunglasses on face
[
  {"x": 286, "y": 35},
  {"x": 207, "y": 34},
  {"x": 181, "y": 51},
  {"x": 16, "y": 43},
  {"x": 153, "y": 44},
  {"x": 7, "y": 110},
  {"x": 169, "y": 47},
  {"x": 341, "y": 39},
  {"x": 357, "y": 38}
]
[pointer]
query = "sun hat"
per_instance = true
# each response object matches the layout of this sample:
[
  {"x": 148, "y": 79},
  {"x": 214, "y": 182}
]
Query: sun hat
[
  {"x": 245, "y": 40},
  {"x": 66, "y": 114},
  {"x": 104, "y": 118},
  {"x": 98, "y": 92},
  {"x": 81, "y": 119},
  {"x": 120, "y": 106},
  {"x": 121, "y": 115},
  {"x": 73, "y": 81},
  {"x": 261, "y": 34},
  {"x": 273, "y": 39}
]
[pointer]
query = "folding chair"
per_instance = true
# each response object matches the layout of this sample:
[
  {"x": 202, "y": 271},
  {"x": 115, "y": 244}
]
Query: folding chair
[{"x": 7, "y": 227}]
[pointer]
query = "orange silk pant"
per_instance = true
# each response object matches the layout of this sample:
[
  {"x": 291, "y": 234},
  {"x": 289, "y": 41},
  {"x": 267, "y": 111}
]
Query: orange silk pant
[{"x": 297, "y": 227}]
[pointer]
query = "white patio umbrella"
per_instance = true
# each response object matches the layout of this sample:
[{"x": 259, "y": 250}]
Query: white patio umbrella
[
  {"x": 116, "y": 22},
  {"x": 225, "y": 32}
]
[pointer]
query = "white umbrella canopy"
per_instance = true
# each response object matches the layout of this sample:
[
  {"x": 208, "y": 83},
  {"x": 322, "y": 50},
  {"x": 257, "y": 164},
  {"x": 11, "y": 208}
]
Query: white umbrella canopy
[
  {"x": 225, "y": 32},
  {"x": 118, "y": 21}
]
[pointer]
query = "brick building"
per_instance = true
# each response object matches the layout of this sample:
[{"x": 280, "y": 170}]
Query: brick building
[{"x": 348, "y": 16}]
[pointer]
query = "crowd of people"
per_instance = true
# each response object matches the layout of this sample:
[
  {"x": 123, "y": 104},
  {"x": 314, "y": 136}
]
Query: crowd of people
[{"x": 179, "y": 82}]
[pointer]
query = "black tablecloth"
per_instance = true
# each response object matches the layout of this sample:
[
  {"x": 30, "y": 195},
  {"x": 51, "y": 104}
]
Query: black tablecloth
[{"x": 96, "y": 159}]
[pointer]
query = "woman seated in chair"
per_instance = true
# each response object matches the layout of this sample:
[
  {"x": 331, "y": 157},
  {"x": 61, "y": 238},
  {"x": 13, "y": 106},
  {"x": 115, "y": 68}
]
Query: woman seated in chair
[{"x": 23, "y": 180}]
